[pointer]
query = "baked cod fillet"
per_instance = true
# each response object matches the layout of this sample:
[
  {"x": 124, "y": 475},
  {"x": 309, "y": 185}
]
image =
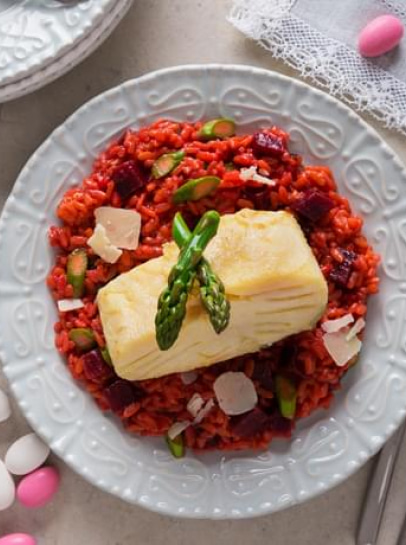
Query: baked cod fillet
[{"x": 272, "y": 280}]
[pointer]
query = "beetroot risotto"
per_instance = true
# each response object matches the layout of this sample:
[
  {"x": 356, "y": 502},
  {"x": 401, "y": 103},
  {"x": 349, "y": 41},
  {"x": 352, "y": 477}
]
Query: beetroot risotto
[{"x": 143, "y": 171}]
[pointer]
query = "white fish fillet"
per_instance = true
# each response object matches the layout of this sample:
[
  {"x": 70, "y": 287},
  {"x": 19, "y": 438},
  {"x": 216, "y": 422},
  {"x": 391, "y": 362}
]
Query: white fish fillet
[{"x": 271, "y": 278}]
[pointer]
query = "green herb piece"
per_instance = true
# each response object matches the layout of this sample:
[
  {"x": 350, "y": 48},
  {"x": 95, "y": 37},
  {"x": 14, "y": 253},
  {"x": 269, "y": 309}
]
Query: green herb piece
[
  {"x": 211, "y": 287},
  {"x": 83, "y": 338},
  {"x": 286, "y": 395},
  {"x": 166, "y": 163},
  {"x": 217, "y": 128},
  {"x": 194, "y": 190},
  {"x": 106, "y": 356},
  {"x": 176, "y": 446},
  {"x": 172, "y": 301},
  {"x": 76, "y": 271}
]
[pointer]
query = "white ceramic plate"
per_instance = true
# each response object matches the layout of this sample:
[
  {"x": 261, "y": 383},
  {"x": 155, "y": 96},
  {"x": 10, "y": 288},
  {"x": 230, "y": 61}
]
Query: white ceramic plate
[
  {"x": 328, "y": 446},
  {"x": 42, "y": 39}
]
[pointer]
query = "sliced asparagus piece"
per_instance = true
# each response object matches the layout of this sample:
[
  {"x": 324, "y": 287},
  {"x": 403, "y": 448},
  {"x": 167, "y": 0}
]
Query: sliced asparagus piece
[
  {"x": 172, "y": 301},
  {"x": 196, "y": 189},
  {"x": 76, "y": 271},
  {"x": 217, "y": 128},
  {"x": 211, "y": 287},
  {"x": 176, "y": 446},
  {"x": 166, "y": 163},
  {"x": 83, "y": 338},
  {"x": 286, "y": 395}
]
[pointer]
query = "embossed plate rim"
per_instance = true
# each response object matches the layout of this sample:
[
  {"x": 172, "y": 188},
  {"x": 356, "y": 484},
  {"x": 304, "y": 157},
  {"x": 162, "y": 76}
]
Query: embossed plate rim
[
  {"x": 65, "y": 40},
  {"x": 218, "y": 504},
  {"x": 63, "y": 63}
]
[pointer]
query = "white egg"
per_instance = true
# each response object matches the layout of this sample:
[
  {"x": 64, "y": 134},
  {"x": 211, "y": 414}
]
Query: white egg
[
  {"x": 5, "y": 409},
  {"x": 7, "y": 488},
  {"x": 26, "y": 454}
]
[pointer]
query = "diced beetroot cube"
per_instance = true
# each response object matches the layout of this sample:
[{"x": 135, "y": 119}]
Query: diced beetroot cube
[
  {"x": 267, "y": 144},
  {"x": 313, "y": 204},
  {"x": 258, "y": 195},
  {"x": 95, "y": 368},
  {"x": 263, "y": 374},
  {"x": 121, "y": 394},
  {"x": 279, "y": 425},
  {"x": 348, "y": 255},
  {"x": 341, "y": 273},
  {"x": 251, "y": 423},
  {"x": 129, "y": 177}
]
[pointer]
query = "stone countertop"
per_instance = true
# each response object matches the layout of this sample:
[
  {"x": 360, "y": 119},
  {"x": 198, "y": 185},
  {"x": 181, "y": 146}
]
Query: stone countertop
[{"x": 156, "y": 34}]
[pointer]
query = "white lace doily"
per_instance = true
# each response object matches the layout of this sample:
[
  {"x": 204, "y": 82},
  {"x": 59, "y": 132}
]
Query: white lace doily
[{"x": 318, "y": 38}]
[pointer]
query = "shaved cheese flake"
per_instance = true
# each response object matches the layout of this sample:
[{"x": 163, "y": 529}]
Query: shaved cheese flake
[
  {"x": 356, "y": 328},
  {"x": 341, "y": 349},
  {"x": 204, "y": 411},
  {"x": 189, "y": 377},
  {"x": 176, "y": 429},
  {"x": 195, "y": 404},
  {"x": 122, "y": 226},
  {"x": 66, "y": 305},
  {"x": 332, "y": 326},
  {"x": 235, "y": 393},
  {"x": 102, "y": 246},
  {"x": 251, "y": 173}
]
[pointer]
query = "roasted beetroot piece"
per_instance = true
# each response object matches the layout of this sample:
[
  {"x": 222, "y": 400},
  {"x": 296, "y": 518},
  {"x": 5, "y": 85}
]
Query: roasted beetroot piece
[
  {"x": 282, "y": 427},
  {"x": 258, "y": 195},
  {"x": 121, "y": 394},
  {"x": 341, "y": 272},
  {"x": 95, "y": 368},
  {"x": 250, "y": 424},
  {"x": 129, "y": 177},
  {"x": 267, "y": 144},
  {"x": 312, "y": 205},
  {"x": 263, "y": 374},
  {"x": 348, "y": 255}
]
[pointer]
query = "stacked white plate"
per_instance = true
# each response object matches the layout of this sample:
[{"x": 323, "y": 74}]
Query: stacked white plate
[{"x": 42, "y": 39}]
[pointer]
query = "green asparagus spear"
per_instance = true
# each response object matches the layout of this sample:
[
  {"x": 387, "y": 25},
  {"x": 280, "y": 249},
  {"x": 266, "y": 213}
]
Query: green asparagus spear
[
  {"x": 176, "y": 446},
  {"x": 217, "y": 128},
  {"x": 194, "y": 190},
  {"x": 166, "y": 163},
  {"x": 211, "y": 287},
  {"x": 76, "y": 271},
  {"x": 83, "y": 338},
  {"x": 286, "y": 395},
  {"x": 172, "y": 301}
]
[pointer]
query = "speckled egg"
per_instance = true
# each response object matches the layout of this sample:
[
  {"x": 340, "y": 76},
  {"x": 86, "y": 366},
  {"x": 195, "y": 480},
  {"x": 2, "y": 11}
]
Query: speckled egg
[
  {"x": 38, "y": 488},
  {"x": 18, "y": 539},
  {"x": 380, "y": 36}
]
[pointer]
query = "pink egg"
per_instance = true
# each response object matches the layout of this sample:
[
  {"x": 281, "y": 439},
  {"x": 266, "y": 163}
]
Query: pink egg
[
  {"x": 380, "y": 36},
  {"x": 38, "y": 488},
  {"x": 18, "y": 539}
]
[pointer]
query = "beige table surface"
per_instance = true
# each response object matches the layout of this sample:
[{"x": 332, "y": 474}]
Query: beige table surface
[{"x": 156, "y": 34}]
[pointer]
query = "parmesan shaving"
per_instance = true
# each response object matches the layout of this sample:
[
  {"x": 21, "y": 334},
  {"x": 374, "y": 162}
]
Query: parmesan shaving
[
  {"x": 251, "y": 173},
  {"x": 235, "y": 393},
  {"x": 66, "y": 305},
  {"x": 204, "y": 411},
  {"x": 332, "y": 326},
  {"x": 102, "y": 246},
  {"x": 341, "y": 349},
  {"x": 356, "y": 328},
  {"x": 189, "y": 377},
  {"x": 122, "y": 226},
  {"x": 195, "y": 404},
  {"x": 176, "y": 429}
]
